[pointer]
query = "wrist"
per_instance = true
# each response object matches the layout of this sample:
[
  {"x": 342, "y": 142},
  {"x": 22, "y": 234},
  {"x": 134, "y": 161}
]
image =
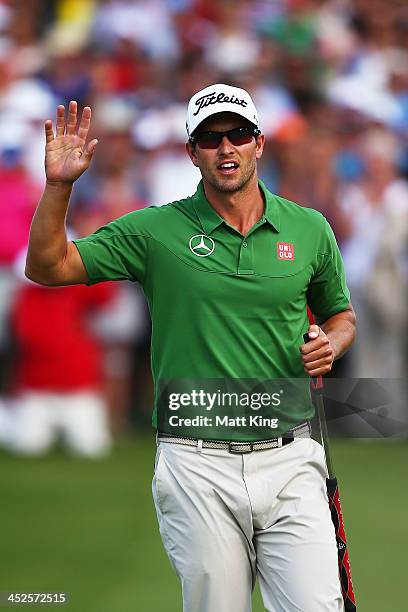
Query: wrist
[
  {"x": 63, "y": 186},
  {"x": 334, "y": 344}
]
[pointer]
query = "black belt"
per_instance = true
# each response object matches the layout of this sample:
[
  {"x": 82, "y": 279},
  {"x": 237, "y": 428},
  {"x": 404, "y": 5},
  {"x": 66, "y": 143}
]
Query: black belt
[{"x": 300, "y": 431}]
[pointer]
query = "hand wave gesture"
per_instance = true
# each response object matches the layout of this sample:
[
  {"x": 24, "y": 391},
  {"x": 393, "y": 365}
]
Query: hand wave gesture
[{"x": 66, "y": 154}]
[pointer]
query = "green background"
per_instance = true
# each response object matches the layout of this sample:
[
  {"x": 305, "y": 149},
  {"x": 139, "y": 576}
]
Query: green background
[{"x": 89, "y": 528}]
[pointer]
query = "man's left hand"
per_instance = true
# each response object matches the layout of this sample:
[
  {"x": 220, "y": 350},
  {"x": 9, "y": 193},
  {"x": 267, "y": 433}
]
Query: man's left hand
[{"x": 317, "y": 354}]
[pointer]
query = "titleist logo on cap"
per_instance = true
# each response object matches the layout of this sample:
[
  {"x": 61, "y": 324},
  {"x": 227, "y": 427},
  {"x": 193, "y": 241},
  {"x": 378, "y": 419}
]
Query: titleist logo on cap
[
  {"x": 213, "y": 98},
  {"x": 219, "y": 98}
]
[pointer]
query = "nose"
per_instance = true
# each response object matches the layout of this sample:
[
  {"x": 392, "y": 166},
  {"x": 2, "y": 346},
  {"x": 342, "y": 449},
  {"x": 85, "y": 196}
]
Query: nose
[{"x": 225, "y": 146}]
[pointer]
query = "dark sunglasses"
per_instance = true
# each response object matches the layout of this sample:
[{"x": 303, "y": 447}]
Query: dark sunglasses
[{"x": 237, "y": 137}]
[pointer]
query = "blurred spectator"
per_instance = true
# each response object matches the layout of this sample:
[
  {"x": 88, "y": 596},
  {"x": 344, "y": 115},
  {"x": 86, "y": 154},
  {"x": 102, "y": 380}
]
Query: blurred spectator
[
  {"x": 137, "y": 20},
  {"x": 375, "y": 256},
  {"x": 67, "y": 71},
  {"x": 123, "y": 325},
  {"x": 18, "y": 198},
  {"x": 59, "y": 370},
  {"x": 232, "y": 48},
  {"x": 19, "y": 194},
  {"x": 114, "y": 184}
]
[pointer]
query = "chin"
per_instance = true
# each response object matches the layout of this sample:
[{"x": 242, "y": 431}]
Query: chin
[{"x": 229, "y": 186}]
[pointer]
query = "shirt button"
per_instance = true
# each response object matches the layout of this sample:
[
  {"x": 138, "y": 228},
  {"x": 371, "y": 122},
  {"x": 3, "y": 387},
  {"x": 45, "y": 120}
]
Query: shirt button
[{"x": 245, "y": 244}]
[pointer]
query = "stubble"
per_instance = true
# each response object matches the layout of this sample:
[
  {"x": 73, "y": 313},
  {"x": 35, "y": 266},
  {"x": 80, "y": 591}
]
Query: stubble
[{"x": 230, "y": 185}]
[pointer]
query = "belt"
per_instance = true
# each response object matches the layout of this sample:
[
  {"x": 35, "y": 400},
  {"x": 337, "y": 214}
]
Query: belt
[{"x": 300, "y": 431}]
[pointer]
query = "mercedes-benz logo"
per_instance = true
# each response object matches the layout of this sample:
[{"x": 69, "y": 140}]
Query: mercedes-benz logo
[{"x": 201, "y": 245}]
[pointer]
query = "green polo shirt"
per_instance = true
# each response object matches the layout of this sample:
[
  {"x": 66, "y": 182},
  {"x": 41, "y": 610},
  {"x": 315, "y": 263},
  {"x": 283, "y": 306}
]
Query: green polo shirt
[{"x": 225, "y": 307}]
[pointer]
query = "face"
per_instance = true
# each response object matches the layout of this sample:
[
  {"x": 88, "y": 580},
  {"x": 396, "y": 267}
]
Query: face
[{"x": 215, "y": 164}]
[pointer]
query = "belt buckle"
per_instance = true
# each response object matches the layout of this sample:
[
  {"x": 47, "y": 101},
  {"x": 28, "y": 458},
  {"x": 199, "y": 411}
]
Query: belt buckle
[{"x": 246, "y": 447}]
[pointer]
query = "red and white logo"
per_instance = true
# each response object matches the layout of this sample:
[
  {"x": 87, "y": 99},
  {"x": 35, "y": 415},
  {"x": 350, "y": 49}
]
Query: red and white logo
[{"x": 285, "y": 251}]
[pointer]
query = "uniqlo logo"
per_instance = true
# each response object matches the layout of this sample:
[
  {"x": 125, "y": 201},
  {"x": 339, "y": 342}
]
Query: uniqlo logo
[{"x": 286, "y": 251}]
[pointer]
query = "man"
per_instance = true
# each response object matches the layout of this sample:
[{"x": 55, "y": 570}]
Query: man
[{"x": 228, "y": 274}]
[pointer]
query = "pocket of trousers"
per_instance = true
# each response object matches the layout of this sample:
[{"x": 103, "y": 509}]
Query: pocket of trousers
[
  {"x": 157, "y": 476},
  {"x": 157, "y": 459}
]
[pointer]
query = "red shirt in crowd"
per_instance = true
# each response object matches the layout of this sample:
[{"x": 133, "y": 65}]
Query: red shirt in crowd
[{"x": 56, "y": 350}]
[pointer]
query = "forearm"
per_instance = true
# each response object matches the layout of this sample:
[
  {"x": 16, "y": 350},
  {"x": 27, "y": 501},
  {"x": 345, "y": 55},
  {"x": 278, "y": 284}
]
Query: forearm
[
  {"x": 47, "y": 247},
  {"x": 341, "y": 331}
]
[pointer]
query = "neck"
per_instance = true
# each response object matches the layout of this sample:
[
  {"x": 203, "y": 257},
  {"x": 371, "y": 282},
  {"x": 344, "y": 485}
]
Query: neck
[{"x": 240, "y": 209}]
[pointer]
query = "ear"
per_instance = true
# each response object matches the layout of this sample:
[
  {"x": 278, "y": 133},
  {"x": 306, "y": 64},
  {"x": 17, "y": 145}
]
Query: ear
[
  {"x": 260, "y": 143},
  {"x": 192, "y": 153}
]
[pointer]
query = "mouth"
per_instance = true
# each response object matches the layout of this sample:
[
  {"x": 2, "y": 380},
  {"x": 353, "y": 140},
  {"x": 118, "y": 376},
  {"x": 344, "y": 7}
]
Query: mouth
[{"x": 228, "y": 167}]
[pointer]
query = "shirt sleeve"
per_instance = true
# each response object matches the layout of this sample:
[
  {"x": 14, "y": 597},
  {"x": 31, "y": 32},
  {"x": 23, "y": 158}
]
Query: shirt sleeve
[
  {"x": 328, "y": 293},
  {"x": 116, "y": 251}
]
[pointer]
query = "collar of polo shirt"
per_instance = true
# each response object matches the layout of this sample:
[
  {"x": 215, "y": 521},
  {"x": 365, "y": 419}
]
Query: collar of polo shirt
[{"x": 210, "y": 219}]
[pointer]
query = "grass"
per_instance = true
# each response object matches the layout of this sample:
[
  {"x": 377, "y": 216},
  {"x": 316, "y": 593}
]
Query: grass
[{"x": 89, "y": 529}]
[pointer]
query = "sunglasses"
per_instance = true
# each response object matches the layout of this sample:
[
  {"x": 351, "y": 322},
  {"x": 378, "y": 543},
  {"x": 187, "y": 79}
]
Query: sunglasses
[{"x": 237, "y": 137}]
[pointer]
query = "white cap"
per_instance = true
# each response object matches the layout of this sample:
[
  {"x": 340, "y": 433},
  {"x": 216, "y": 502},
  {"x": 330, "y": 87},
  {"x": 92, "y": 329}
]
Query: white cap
[{"x": 220, "y": 98}]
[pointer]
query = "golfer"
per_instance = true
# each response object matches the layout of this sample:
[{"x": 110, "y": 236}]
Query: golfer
[{"x": 239, "y": 485}]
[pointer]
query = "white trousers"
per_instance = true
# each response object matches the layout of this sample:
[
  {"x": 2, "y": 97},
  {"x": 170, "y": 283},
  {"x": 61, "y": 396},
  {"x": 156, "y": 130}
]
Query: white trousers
[
  {"x": 80, "y": 418},
  {"x": 226, "y": 520}
]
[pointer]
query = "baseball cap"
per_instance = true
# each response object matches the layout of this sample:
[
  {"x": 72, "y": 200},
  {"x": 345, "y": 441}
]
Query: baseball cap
[{"x": 219, "y": 98}]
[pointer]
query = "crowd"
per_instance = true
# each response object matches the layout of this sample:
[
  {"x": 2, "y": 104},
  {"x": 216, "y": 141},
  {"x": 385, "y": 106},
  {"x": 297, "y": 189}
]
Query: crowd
[{"x": 330, "y": 81}]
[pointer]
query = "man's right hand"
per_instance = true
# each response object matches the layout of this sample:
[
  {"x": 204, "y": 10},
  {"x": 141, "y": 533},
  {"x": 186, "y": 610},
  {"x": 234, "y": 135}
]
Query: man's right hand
[{"x": 67, "y": 155}]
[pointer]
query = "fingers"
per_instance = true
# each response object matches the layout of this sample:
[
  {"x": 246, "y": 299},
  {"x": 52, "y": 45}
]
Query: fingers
[
  {"x": 317, "y": 338},
  {"x": 89, "y": 151},
  {"x": 60, "y": 120},
  {"x": 318, "y": 362},
  {"x": 313, "y": 331},
  {"x": 72, "y": 117},
  {"x": 49, "y": 134},
  {"x": 320, "y": 353},
  {"x": 85, "y": 124},
  {"x": 318, "y": 371},
  {"x": 68, "y": 126}
]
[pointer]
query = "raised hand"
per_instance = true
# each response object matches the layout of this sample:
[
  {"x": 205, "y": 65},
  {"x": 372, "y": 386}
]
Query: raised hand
[{"x": 67, "y": 155}]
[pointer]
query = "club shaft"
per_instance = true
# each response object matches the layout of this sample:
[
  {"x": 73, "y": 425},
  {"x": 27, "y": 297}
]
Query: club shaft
[{"x": 324, "y": 434}]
